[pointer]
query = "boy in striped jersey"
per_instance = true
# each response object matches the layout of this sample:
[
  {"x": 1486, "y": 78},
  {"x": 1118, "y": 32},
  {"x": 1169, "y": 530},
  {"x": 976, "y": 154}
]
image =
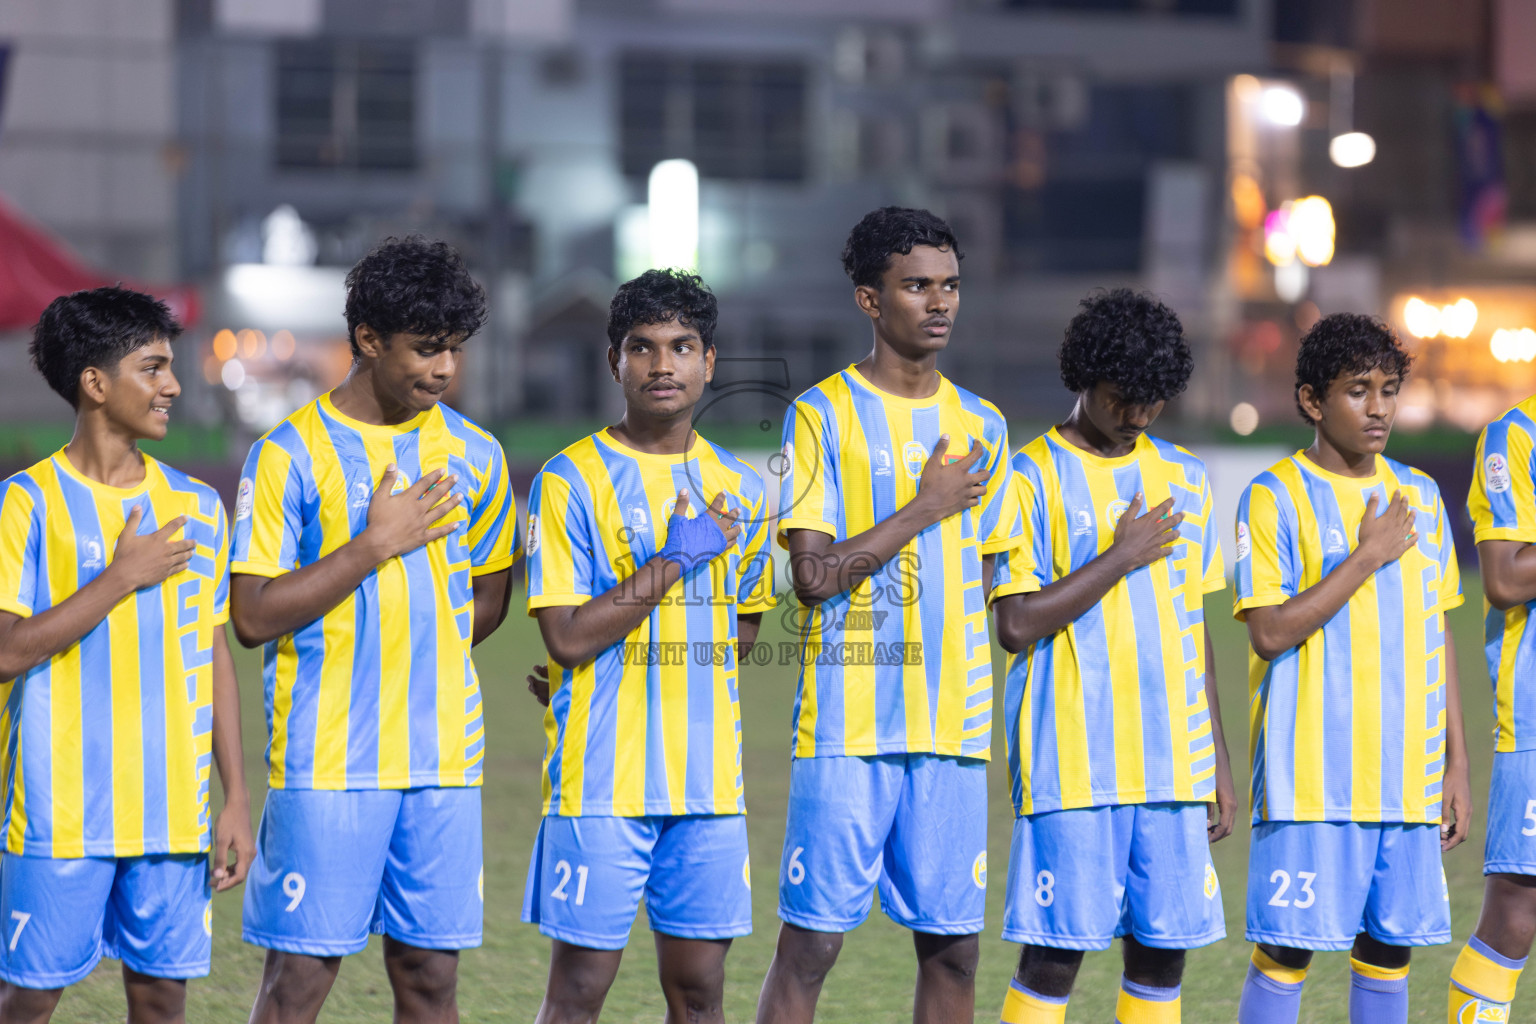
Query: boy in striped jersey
[
  {"x": 119, "y": 686},
  {"x": 1503, "y": 508},
  {"x": 648, "y": 574},
  {"x": 893, "y": 501},
  {"x": 1345, "y": 569},
  {"x": 1115, "y": 750},
  {"x": 373, "y": 544}
]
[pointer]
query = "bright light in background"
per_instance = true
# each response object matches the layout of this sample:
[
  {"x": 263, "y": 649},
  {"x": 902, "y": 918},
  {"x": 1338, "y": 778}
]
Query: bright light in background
[
  {"x": 1311, "y": 224},
  {"x": 1282, "y": 105},
  {"x": 632, "y": 240},
  {"x": 1352, "y": 149},
  {"x": 673, "y": 197},
  {"x": 1513, "y": 346},
  {"x": 233, "y": 374},
  {"x": 1245, "y": 419},
  {"x": 1291, "y": 281},
  {"x": 252, "y": 343},
  {"x": 286, "y": 240},
  {"x": 224, "y": 344},
  {"x": 1458, "y": 319},
  {"x": 283, "y": 344},
  {"x": 1279, "y": 243},
  {"x": 1421, "y": 318}
]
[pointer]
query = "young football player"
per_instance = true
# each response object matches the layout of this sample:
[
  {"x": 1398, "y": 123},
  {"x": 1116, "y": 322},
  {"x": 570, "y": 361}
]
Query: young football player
[
  {"x": 892, "y": 506},
  {"x": 1345, "y": 569},
  {"x": 1503, "y": 508},
  {"x": 374, "y": 538},
  {"x": 114, "y": 582},
  {"x": 648, "y": 575},
  {"x": 1115, "y": 749}
]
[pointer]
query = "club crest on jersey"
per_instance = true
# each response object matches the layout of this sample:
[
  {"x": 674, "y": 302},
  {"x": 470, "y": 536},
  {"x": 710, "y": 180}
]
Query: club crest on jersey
[
  {"x": 1212, "y": 884},
  {"x": 1333, "y": 541},
  {"x": 1082, "y": 522},
  {"x": 1244, "y": 545},
  {"x": 1115, "y": 510},
  {"x": 401, "y": 482},
  {"x": 913, "y": 455},
  {"x": 533, "y": 533},
  {"x": 1496, "y": 472},
  {"x": 670, "y": 507},
  {"x": 361, "y": 494},
  {"x": 93, "y": 556},
  {"x": 882, "y": 462},
  {"x": 979, "y": 870},
  {"x": 245, "y": 499}
]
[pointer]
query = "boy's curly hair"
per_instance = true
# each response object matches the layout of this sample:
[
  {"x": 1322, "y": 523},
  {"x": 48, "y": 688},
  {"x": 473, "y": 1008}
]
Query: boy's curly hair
[{"x": 1128, "y": 339}]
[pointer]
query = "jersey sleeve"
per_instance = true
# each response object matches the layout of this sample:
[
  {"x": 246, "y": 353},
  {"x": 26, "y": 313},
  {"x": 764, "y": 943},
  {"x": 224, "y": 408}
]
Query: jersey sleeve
[
  {"x": 1450, "y": 570},
  {"x": 754, "y": 586},
  {"x": 21, "y": 539},
  {"x": 269, "y": 513},
  {"x": 221, "y": 566},
  {"x": 1016, "y": 570},
  {"x": 1267, "y": 573},
  {"x": 1000, "y": 526},
  {"x": 560, "y": 548},
  {"x": 809, "y": 492},
  {"x": 1502, "y": 500},
  {"x": 494, "y": 538},
  {"x": 1214, "y": 576}
]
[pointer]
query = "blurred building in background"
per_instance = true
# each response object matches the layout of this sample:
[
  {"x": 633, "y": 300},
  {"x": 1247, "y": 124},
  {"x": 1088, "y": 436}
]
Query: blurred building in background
[{"x": 1255, "y": 162}]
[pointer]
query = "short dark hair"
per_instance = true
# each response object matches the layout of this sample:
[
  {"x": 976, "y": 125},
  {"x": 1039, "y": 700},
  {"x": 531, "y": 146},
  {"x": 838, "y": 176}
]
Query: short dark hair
[
  {"x": 659, "y": 297},
  {"x": 413, "y": 286},
  {"x": 1130, "y": 340},
  {"x": 1346, "y": 343},
  {"x": 889, "y": 231},
  {"x": 95, "y": 328}
]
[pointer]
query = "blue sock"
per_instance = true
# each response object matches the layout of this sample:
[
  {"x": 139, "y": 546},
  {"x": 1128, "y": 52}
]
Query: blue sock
[
  {"x": 1271, "y": 992},
  {"x": 1377, "y": 995}
]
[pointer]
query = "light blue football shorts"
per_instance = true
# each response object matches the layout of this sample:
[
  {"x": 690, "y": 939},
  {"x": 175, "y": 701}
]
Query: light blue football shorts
[{"x": 1511, "y": 841}]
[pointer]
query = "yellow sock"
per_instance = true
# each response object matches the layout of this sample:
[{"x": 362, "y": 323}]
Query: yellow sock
[
  {"x": 1021, "y": 1006},
  {"x": 1482, "y": 985},
  {"x": 1142, "y": 1004}
]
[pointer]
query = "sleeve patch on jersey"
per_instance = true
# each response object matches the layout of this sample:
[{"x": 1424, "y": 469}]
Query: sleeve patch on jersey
[
  {"x": 533, "y": 533},
  {"x": 1243, "y": 543},
  {"x": 1496, "y": 473},
  {"x": 245, "y": 499}
]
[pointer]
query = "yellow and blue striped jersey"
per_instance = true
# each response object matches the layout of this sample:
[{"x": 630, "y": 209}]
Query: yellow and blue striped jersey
[
  {"x": 652, "y": 725},
  {"x": 1112, "y": 709},
  {"x": 903, "y": 661},
  {"x": 1350, "y": 724},
  {"x": 380, "y": 692},
  {"x": 108, "y": 744},
  {"x": 1502, "y": 503}
]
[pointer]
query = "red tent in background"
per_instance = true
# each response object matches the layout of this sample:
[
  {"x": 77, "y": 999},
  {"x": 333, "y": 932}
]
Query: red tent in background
[{"x": 36, "y": 268}]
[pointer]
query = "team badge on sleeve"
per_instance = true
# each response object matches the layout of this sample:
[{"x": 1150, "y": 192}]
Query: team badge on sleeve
[
  {"x": 1244, "y": 545},
  {"x": 1496, "y": 473},
  {"x": 533, "y": 533},
  {"x": 245, "y": 499}
]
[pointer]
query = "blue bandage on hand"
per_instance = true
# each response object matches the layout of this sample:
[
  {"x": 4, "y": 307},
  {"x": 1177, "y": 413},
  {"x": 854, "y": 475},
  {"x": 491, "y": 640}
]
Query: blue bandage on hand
[{"x": 692, "y": 542}]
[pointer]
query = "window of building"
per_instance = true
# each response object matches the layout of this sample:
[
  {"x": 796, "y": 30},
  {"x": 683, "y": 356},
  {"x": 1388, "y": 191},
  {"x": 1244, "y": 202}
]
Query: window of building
[
  {"x": 346, "y": 105},
  {"x": 735, "y": 119}
]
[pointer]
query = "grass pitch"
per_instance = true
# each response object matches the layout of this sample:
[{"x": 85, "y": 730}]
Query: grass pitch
[{"x": 504, "y": 979}]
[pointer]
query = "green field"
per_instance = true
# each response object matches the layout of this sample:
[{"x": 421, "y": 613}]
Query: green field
[{"x": 503, "y": 980}]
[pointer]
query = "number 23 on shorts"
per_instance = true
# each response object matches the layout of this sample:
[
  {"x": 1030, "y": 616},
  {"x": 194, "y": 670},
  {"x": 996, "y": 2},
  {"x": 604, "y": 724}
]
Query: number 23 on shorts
[{"x": 1304, "y": 896}]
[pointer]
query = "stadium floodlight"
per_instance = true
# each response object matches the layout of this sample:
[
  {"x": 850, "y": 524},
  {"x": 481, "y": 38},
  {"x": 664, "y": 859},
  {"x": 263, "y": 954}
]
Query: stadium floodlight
[
  {"x": 1282, "y": 105},
  {"x": 1352, "y": 149},
  {"x": 673, "y": 198}
]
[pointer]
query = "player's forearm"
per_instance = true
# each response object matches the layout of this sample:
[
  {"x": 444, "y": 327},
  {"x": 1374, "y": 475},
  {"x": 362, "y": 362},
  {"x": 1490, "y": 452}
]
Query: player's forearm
[
  {"x": 574, "y": 635},
  {"x": 1276, "y": 629},
  {"x": 747, "y": 627},
  {"x": 491, "y": 596},
  {"x": 228, "y": 750},
  {"x": 1025, "y": 619},
  {"x": 1455, "y": 731},
  {"x": 1213, "y": 702},
  {"x": 821, "y": 569},
  {"x": 264, "y": 609},
  {"x": 28, "y": 642},
  {"x": 1509, "y": 572}
]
